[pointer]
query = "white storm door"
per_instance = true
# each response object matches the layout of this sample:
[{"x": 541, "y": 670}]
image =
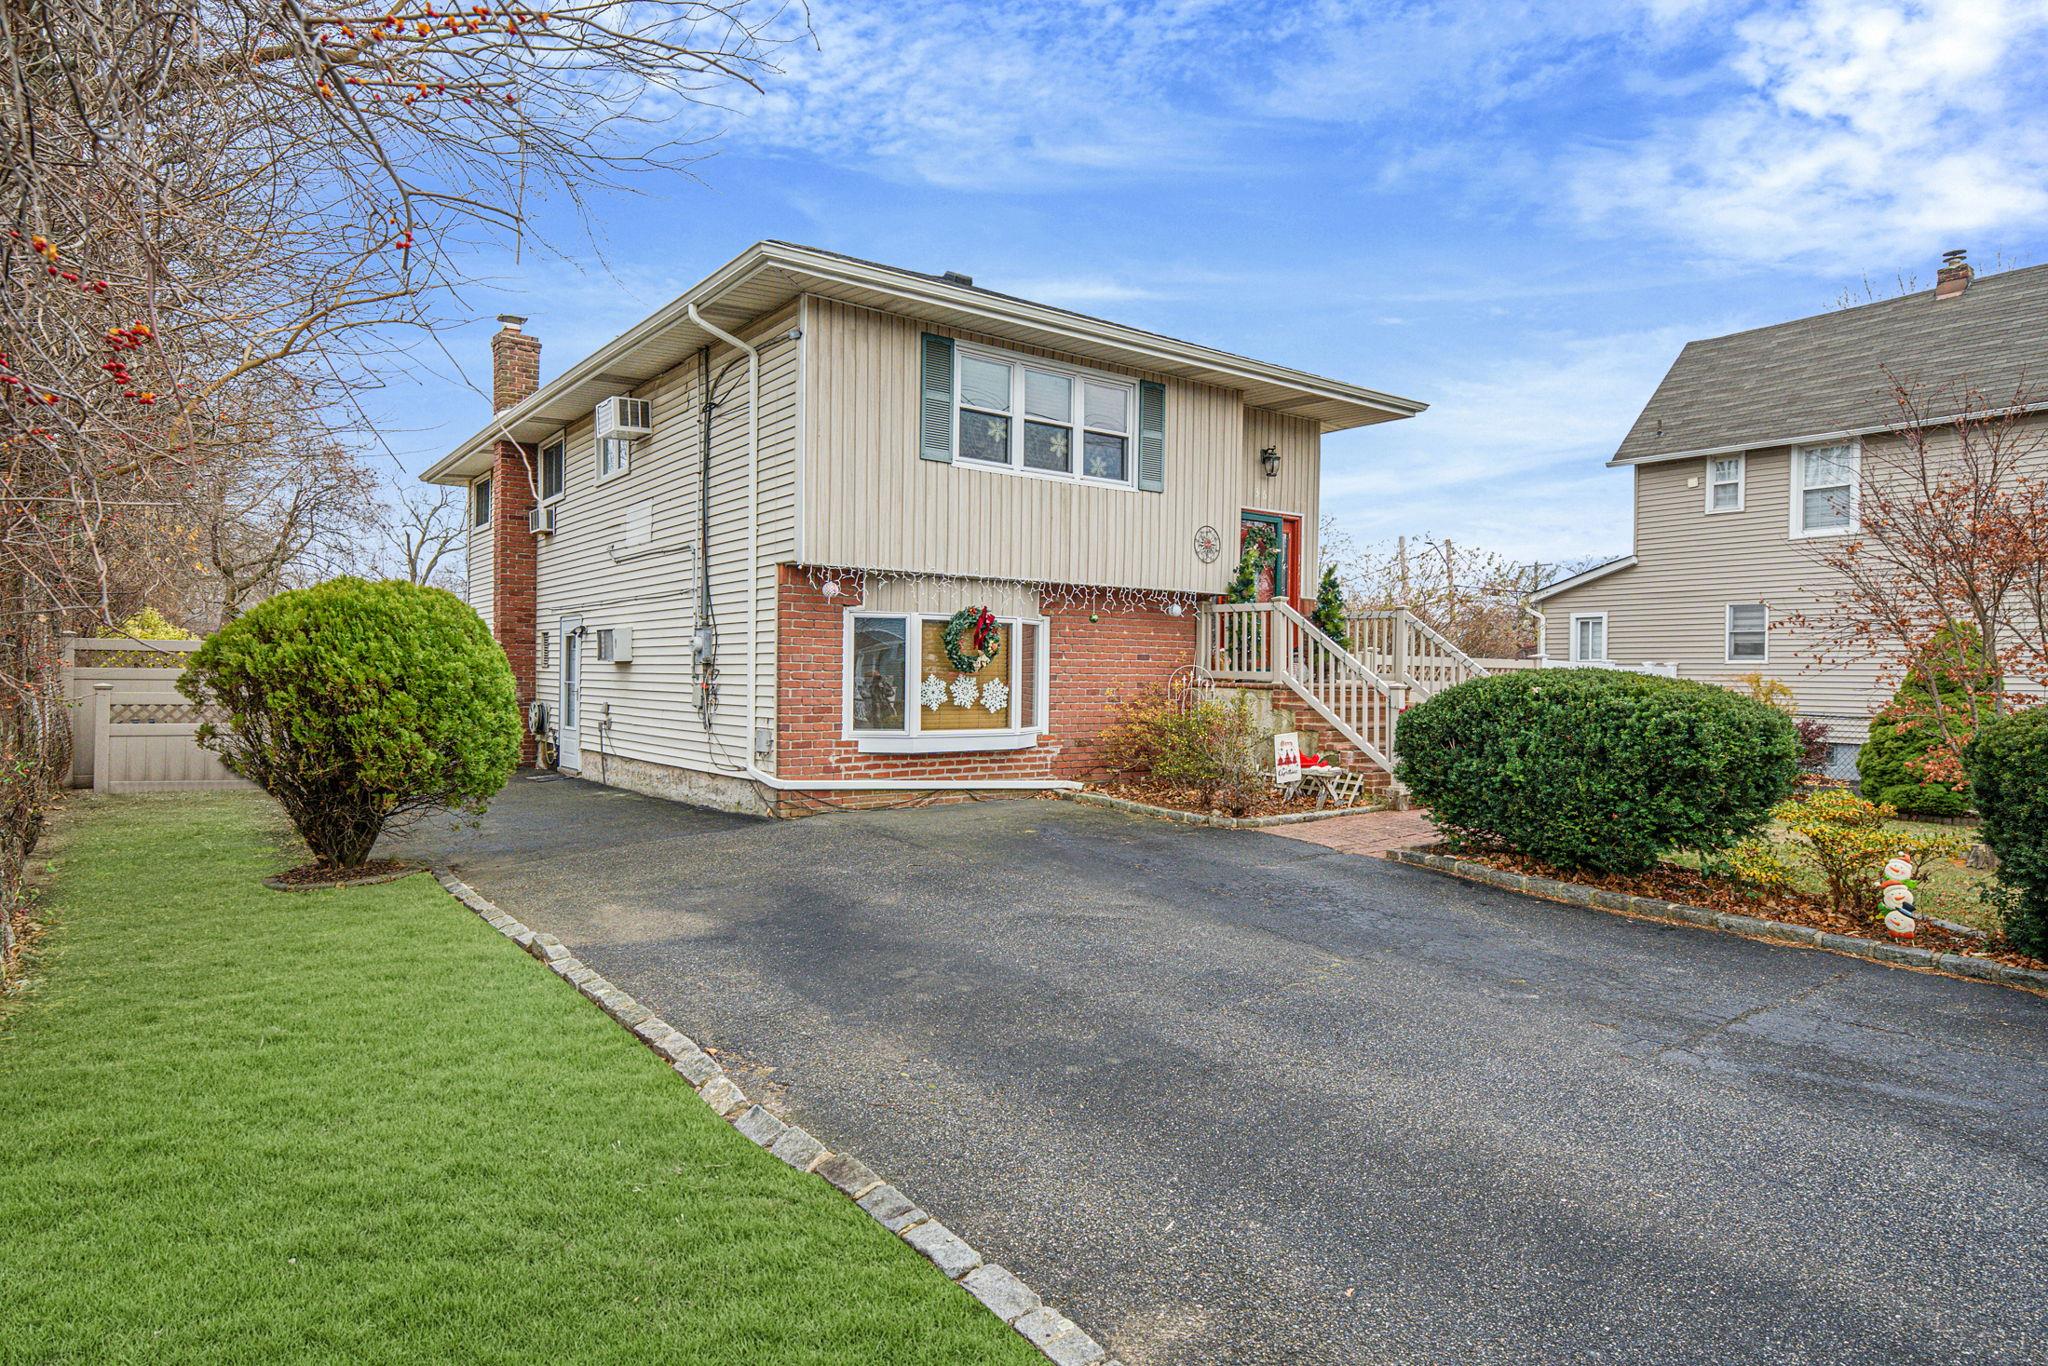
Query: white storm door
[{"x": 569, "y": 714}]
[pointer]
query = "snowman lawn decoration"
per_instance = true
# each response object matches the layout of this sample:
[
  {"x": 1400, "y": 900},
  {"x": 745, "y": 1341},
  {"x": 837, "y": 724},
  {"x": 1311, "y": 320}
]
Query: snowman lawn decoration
[{"x": 1896, "y": 892}]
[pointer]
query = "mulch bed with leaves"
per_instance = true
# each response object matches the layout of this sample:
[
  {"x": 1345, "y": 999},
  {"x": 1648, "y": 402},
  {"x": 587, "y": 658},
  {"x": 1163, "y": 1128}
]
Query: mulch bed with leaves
[
  {"x": 309, "y": 876},
  {"x": 1717, "y": 894},
  {"x": 1178, "y": 798}
]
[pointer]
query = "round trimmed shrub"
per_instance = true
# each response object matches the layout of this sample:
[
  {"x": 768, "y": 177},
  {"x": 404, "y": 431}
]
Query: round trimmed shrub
[
  {"x": 1596, "y": 769},
  {"x": 1881, "y": 769},
  {"x": 360, "y": 706},
  {"x": 2008, "y": 766}
]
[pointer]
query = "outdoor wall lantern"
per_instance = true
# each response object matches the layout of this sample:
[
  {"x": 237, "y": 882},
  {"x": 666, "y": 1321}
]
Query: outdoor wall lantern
[{"x": 1269, "y": 461}]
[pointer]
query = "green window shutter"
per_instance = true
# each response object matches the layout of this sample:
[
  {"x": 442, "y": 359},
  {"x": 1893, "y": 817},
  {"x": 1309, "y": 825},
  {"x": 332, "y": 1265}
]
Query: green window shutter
[
  {"x": 935, "y": 417},
  {"x": 1152, "y": 437}
]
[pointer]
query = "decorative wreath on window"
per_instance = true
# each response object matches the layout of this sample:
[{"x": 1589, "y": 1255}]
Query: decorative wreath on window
[{"x": 972, "y": 640}]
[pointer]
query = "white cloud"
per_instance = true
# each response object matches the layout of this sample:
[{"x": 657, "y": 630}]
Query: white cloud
[
  {"x": 1512, "y": 459},
  {"x": 1859, "y": 132}
]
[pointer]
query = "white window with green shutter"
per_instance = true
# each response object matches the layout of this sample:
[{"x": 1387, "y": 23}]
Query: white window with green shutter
[{"x": 997, "y": 410}]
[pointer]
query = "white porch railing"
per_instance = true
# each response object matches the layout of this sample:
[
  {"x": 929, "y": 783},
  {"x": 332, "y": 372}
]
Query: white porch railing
[
  {"x": 1270, "y": 642},
  {"x": 1403, "y": 648}
]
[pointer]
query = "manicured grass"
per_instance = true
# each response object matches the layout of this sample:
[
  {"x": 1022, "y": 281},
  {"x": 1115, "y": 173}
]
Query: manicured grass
[{"x": 238, "y": 1125}]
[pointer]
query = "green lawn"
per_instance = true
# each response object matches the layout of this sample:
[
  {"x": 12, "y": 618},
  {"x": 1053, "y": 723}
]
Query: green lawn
[{"x": 240, "y": 1125}]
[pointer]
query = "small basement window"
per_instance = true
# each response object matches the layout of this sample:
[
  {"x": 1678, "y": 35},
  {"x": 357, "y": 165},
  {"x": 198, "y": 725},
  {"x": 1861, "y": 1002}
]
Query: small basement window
[{"x": 904, "y": 696}]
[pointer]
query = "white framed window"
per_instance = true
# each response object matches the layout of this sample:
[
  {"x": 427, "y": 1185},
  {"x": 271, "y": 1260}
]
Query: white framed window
[
  {"x": 1824, "y": 493},
  {"x": 554, "y": 468},
  {"x": 1749, "y": 633},
  {"x": 1725, "y": 482},
  {"x": 902, "y": 696},
  {"x": 480, "y": 502},
  {"x": 1048, "y": 421},
  {"x": 1589, "y": 637},
  {"x": 614, "y": 456}
]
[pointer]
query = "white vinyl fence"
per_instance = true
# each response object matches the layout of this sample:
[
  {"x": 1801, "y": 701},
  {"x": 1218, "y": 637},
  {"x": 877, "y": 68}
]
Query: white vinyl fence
[{"x": 131, "y": 729}]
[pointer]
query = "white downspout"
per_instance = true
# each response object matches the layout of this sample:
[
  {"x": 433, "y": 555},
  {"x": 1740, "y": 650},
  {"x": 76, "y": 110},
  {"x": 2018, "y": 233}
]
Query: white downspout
[{"x": 751, "y": 769}]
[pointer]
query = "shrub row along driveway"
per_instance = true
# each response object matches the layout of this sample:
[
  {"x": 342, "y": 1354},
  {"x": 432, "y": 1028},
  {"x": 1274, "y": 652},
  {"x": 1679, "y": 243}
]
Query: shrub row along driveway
[{"x": 1226, "y": 1097}]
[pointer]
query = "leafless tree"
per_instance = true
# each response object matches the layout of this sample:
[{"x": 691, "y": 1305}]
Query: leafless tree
[
  {"x": 425, "y": 530},
  {"x": 209, "y": 202}
]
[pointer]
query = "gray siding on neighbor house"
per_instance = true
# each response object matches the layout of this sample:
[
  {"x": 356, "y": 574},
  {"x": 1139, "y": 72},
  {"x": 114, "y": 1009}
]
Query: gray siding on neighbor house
[
  {"x": 1671, "y": 607},
  {"x": 591, "y": 568},
  {"x": 869, "y": 500}
]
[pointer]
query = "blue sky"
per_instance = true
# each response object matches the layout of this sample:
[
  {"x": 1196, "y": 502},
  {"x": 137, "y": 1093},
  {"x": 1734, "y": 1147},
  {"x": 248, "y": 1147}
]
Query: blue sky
[{"x": 1517, "y": 213}]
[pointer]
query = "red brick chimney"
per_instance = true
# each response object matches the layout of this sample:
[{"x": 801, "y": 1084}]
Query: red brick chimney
[
  {"x": 1954, "y": 277},
  {"x": 515, "y": 376}
]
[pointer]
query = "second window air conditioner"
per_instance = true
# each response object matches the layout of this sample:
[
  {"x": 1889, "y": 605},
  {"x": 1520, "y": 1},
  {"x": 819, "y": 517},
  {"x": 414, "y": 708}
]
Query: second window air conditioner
[
  {"x": 625, "y": 417},
  {"x": 615, "y": 645}
]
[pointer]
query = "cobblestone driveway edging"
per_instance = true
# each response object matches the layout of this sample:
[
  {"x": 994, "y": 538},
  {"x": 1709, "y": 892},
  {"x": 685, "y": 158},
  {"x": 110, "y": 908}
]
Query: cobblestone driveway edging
[
  {"x": 1600, "y": 899},
  {"x": 1210, "y": 818},
  {"x": 1001, "y": 1292}
]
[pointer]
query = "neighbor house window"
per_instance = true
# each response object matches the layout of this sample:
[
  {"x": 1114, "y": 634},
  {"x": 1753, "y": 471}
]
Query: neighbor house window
[
  {"x": 899, "y": 681},
  {"x": 554, "y": 460},
  {"x": 1749, "y": 633},
  {"x": 1033, "y": 417},
  {"x": 1824, "y": 489},
  {"x": 1724, "y": 483},
  {"x": 480, "y": 502},
  {"x": 1589, "y": 639},
  {"x": 614, "y": 456}
]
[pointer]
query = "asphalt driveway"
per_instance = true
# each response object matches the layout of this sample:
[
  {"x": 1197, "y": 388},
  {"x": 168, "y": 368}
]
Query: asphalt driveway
[{"x": 1227, "y": 1097}]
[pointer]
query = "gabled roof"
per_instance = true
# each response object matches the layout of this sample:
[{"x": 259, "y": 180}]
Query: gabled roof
[
  {"x": 1824, "y": 377},
  {"x": 1584, "y": 576},
  {"x": 769, "y": 275}
]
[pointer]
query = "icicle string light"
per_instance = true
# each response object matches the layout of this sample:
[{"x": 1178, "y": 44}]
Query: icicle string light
[{"x": 1073, "y": 597}]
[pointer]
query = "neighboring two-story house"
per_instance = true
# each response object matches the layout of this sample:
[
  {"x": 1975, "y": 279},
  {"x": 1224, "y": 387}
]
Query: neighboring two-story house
[
  {"x": 723, "y": 552},
  {"x": 1750, "y": 456}
]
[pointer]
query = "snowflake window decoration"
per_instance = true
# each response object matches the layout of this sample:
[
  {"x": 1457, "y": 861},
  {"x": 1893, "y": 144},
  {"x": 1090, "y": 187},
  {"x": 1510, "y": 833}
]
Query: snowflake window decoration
[
  {"x": 933, "y": 693},
  {"x": 995, "y": 695},
  {"x": 964, "y": 688}
]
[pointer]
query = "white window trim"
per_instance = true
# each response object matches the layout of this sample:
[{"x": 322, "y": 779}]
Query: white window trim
[
  {"x": 913, "y": 739},
  {"x": 597, "y": 458},
  {"x": 1728, "y": 634},
  {"x": 1079, "y": 424},
  {"x": 561, "y": 439},
  {"x": 487, "y": 486},
  {"x": 1741, "y": 483},
  {"x": 1797, "y": 476},
  {"x": 1572, "y": 646}
]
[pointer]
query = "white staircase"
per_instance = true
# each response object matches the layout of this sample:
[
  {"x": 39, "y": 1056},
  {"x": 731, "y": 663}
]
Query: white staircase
[
  {"x": 1270, "y": 642},
  {"x": 1406, "y": 649}
]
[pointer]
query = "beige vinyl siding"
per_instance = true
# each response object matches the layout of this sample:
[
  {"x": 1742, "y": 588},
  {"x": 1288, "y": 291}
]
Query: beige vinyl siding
[
  {"x": 869, "y": 500},
  {"x": 1672, "y": 606},
  {"x": 477, "y": 585},
  {"x": 1295, "y": 489},
  {"x": 653, "y": 716}
]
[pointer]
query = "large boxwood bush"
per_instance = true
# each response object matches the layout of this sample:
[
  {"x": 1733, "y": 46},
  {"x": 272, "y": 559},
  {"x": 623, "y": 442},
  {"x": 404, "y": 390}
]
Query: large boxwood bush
[
  {"x": 359, "y": 706},
  {"x": 1596, "y": 769},
  {"x": 2008, "y": 764}
]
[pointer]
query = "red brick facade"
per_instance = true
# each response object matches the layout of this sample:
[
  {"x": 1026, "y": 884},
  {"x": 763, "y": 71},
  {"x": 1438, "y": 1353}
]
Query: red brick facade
[
  {"x": 1092, "y": 666},
  {"x": 515, "y": 376}
]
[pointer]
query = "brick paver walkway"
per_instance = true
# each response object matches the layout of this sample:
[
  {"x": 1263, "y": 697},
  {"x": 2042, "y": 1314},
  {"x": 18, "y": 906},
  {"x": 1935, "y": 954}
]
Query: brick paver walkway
[{"x": 1368, "y": 832}]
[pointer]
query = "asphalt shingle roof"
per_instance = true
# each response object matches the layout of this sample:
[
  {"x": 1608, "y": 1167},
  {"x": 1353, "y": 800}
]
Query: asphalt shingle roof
[{"x": 1827, "y": 374}]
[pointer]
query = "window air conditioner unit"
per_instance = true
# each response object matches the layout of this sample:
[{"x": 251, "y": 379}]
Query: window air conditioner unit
[
  {"x": 541, "y": 521},
  {"x": 615, "y": 644},
  {"x": 625, "y": 417}
]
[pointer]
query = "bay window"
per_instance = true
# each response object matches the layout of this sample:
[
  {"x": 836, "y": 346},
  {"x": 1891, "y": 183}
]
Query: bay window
[
  {"x": 904, "y": 696},
  {"x": 1037, "y": 418}
]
